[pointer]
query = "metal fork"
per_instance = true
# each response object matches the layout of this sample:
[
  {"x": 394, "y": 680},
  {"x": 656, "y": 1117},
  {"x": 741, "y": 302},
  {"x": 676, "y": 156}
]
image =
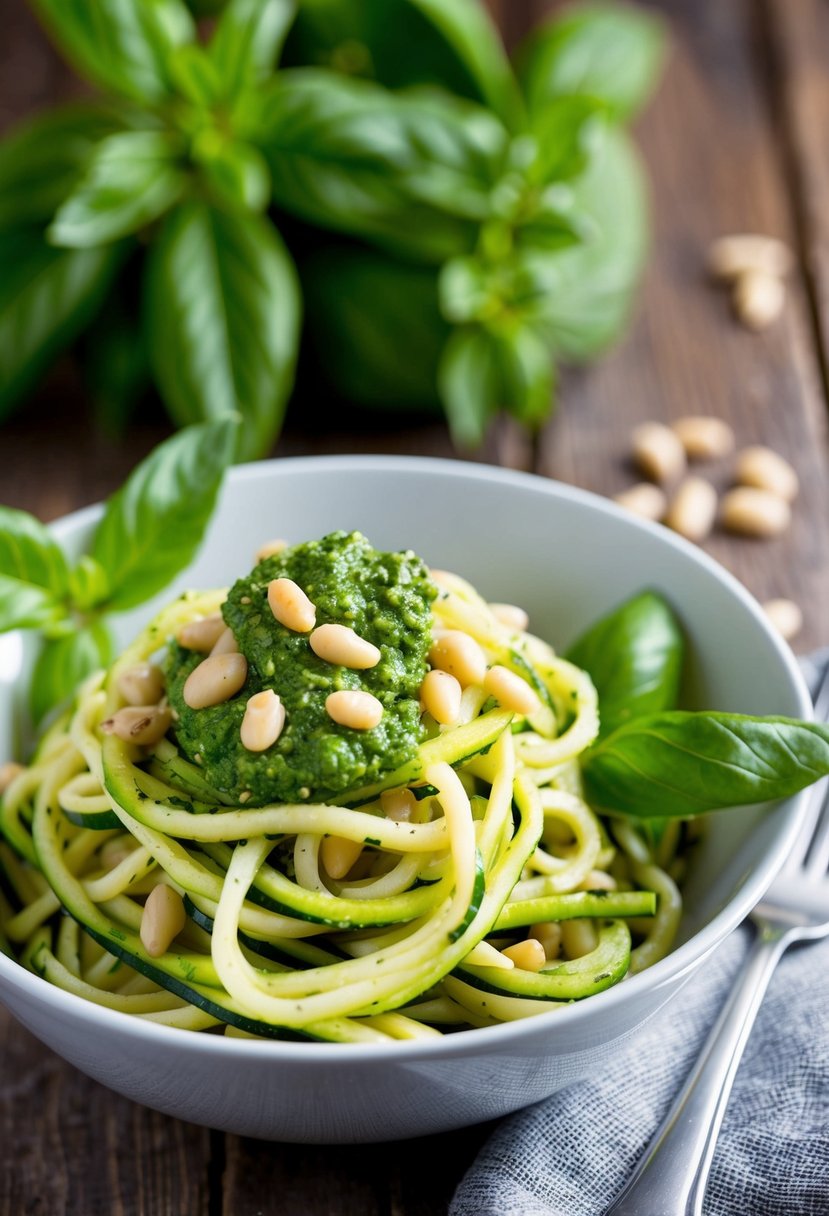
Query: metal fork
[{"x": 671, "y": 1175}]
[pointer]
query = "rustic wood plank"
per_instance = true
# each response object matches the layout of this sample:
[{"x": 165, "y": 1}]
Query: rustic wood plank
[{"x": 715, "y": 168}]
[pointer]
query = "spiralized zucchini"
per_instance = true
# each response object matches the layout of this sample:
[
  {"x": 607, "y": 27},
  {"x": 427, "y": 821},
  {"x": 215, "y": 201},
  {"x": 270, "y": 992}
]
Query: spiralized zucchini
[{"x": 422, "y": 936}]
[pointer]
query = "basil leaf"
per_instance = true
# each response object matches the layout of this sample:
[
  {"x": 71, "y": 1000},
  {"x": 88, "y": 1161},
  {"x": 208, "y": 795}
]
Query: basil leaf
[
  {"x": 527, "y": 374},
  {"x": 374, "y": 327},
  {"x": 47, "y": 297},
  {"x": 28, "y": 552},
  {"x": 222, "y": 309},
  {"x": 684, "y": 763},
  {"x": 412, "y": 174},
  {"x": 121, "y": 45},
  {"x": 153, "y": 525},
  {"x": 634, "y": 657},
  {"x": 469, "y": 383},
  {"x": 42, "y": 159},
  {"x": 568, "y": 132},
  {"x": 247, "y": 41},
  {"x": 236, "y": 173},
  {"x": 63, "y": 663},
  {"x": 25, "y": 605},
  {"x": 194, "y": 75},
  {"x": 610, "y": 52},
  {"x": 132, "y": 179}
]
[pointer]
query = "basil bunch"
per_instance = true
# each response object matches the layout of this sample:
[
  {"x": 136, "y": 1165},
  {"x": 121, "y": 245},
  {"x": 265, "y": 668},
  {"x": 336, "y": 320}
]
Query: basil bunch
[
  {"x": 150, "y": 529},
  {"x": 652, "y": 760},
  {"x": 457, "y": 220}
]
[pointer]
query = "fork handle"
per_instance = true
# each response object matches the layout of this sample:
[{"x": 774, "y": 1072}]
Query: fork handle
[{"x": 670, "y": 1177}]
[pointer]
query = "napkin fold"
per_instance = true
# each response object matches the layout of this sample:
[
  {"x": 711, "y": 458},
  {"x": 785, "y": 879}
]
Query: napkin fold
[{"x": 571, "y": 1154}]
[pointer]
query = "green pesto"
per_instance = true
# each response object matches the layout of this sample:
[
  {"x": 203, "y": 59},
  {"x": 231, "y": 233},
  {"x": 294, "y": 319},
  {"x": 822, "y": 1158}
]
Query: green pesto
[{"x": 386, "y": 598}]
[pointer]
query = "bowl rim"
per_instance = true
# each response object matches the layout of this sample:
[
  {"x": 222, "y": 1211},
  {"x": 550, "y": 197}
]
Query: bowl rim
[{"x": 674, "y": 967}]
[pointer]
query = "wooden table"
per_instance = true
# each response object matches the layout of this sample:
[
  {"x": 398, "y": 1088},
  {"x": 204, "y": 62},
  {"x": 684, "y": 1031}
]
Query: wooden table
[{"x": 734, "y": 141}]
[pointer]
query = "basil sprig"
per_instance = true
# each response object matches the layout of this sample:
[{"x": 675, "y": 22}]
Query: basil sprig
[
  {"x": 150, "y": 529},
  {"x": 171, "y": 224}
]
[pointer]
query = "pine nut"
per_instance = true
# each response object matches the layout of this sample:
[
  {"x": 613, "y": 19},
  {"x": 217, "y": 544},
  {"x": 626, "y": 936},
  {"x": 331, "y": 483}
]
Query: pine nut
[
  {"x": 529, "y": 955},
  {"x": 786, "y": 617},
  {"x": 162, "y": 919},
  {"x": 9, "y": 772},
  {"x": 216, "y": 679},
  {"x": 263, "y": 721},
  {"x": 693, "y": 509},
  {"x": 270, "y": 549},
  {"x": 767, "y": 470},
  {"x": 339, "y": 854},
  {"x": 485, "y": 955},
  {"x": 754, "y": 512},
  {"x": 226, "y": 643},
  {"x": 578, "y": 937},
  {"x": 142, "y": 724},
  {"x": 398, "y": 804},
  {"x": 291, "y": 606},
  {"x": 549, "y": 934},
  {"x": 351, "y": 707},
  {"x": 731, "y": 256},
  {"x": 201, "y": 635},
  {"x": 441, "y": 695},
  {"x": 704, "y": 437},
  {"x": 142, "y": 684},
  {"x": 115, "y": 851},
  {"x": 510, "y": 615},
  {"x": 597, "y": 880},
  {"x": 342, "y": 646},
  {"x": 459, "y": 654},
  {"x": 758, "y": 299},
  {"x": 644, "y": 499},
  {"x": 657, "y": 451},
  {"x": 510, "y": 691}
]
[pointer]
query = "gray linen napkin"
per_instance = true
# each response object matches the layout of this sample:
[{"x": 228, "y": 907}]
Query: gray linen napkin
[{"x": 571, "y": 1154}]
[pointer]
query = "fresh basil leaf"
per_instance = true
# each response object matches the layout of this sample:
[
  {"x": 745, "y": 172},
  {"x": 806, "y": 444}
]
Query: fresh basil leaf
[
  {"x": 29, "y": 552},
  {"x": 247, "y": 40},
  {"x": 47, "y": 297},
  {"x": 121, "y": 45},
  {"x": 42, "y": 159},
  {"x": 410, "y": 173},
  {"x": 153, "y": 525},
  {"x": 613, "y": 52},
  {"x": 634, "y": 656},
  {"x": 25, "y": 605},
  {"x": 63, "y": 663},
  {"x": 568, "y": 132},
  {"x": 682, "y": 763},
  {"x": 88, "y": 583},
  {"x": 132, "y": 179},
  {"x": 194, "y": 76},
  {"x": 236, "y": 173},
  {"x": 222, "y": 309},
  {"x": 527, "y": 373},
  {"x": 469, "y": 383},
  {"x": 374, "y": 327}
]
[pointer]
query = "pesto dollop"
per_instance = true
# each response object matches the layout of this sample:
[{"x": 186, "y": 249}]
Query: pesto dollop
[{"x": 385, "y": 598}]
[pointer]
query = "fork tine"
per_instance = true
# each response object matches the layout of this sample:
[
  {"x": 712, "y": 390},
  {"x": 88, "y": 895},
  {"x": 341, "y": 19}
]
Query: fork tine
[
  {"x": 812, "y": 852},
  {"x": 816, "y": 861}
]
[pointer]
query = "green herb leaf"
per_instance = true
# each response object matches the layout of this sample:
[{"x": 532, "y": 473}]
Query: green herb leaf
[
  {"x": 247, "y": 41},
  {"x": 153, "y": 526},
  {"x": 610, "y": 52},
  {"x": 236, "y": 173},
  {"x": 29, "y": 552},
  {"x": 686, "y": 763},
  {"x": 25, "y": 605},
  {"x": 42, "y": 159},
  {"x": 132, "y": 179},
  {"x": 122, "y": 46},
  {"x": 568, "y": 132},
  {"x": 47, "y": 297},
  {"x": 222, "y": 308},
  {"x": 634, "y": 657},
  {"x": 469, "y": 382},
  {"x": 527, "y": 373},
  {"x": 63, "y": 663}
]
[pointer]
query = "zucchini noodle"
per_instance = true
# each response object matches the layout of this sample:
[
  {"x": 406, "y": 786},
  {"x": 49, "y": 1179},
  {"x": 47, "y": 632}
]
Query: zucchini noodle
[{"x": 434, "y": 928}]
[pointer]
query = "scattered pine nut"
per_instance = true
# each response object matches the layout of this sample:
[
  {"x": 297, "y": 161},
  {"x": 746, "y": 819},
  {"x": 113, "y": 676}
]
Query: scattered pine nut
[
  {"x": 597, "y": 880},
  {"x": 645, "y": 500},
  {"x": 733, "y": 255},
  {"x": 703, "y": 436},
  {"x": 142, "y": 724},
  {"x": 786, "y": 617},
  {"x": 510, "y": 615},
  {"x": 291, "y": 606},
  {"x": 338, "y": 854},
  {"x": 226, "y": 643},
  {"x": 202, "y": 634},
  {"x": 693, "y": 509},
  {"x": 441, "y": 695},
  {"x": 342, "y": 646},
  {"x": 549, "y": 934},
  {"x": 270, "y": 549},
  {"x": 162, "y": 919},
  {"x": 263, "y": 721},
  {"x": 657, "y": 451},
  {"x": 459, "y": 654},
  {"x": 753, "y": 512},
  {"x": 767, "y": 470},
  {"x": 578, "y": 937},
  {"x": 9, "y": 771},
  {"x": 529, "y": 955},
  {"x": 354, "y": 708},
  {"x": 511, "y": 691},
  {"x": 758, "y": 298},
  {"x": 486, "y": 955},
  {"x": 398, "y": 804},
  {"x": 216, "y": 679},
  {"x": 142, "y": 684}
]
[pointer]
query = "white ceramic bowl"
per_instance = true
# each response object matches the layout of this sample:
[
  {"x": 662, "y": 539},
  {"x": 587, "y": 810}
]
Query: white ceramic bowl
[{"x": 567, "y": 556}]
